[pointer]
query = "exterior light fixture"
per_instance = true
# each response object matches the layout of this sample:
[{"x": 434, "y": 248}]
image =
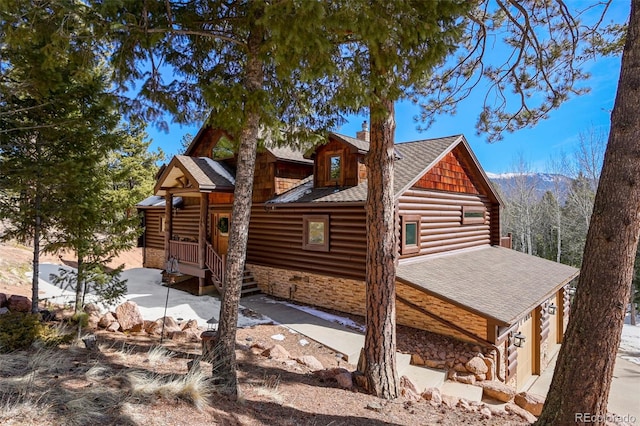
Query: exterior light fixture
[
  {"x": 552, "y": 309},
  {"x": 519, "y": 339}
]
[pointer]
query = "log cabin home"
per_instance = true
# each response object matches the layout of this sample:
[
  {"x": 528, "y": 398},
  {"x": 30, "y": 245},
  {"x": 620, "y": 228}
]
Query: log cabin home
[{"x": 456, "y": 275}]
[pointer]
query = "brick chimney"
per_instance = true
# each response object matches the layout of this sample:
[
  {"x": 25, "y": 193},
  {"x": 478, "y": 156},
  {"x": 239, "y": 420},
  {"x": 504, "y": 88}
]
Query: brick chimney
[{"x": 364, "y": 133}]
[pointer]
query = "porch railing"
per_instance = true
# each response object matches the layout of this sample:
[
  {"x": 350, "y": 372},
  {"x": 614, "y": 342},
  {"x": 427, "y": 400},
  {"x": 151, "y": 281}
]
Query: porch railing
[
  {"x": 215, "y": 263},
  {"x": 184, "y": 251}
]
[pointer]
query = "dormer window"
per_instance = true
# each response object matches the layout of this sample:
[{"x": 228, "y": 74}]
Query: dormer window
[{"x": 334, "y": 168}]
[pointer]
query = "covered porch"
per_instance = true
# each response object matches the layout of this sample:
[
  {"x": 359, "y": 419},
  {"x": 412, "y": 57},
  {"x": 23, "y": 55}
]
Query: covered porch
[{"x": 196, "y": 233}]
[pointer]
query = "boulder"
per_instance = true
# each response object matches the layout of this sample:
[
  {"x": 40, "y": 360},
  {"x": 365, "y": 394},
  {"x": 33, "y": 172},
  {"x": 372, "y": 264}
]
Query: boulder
[
  {"x": 490, "y": 368},
  {"x": 170, "y": 326},
  {"x": 433, "y": 395},
  {"x": 276, "y": 352},
  {"x": 497, "y": 390},
  {"x": 92, "y": 309},
  {"x": 311, "y": 362},
  {"x": 467, "y": 379},
  {"x": 3, "y": 300},
  {"x": 113, "y": 327},
  {"x": 184, "y": 335},
  {"x": 129, "y": 316},
  {"x": 329, "y": 373},
  {"x": 106, "y": 320},
  {"x": 531, "y": 402},
  {"x": 344, "y": 379},
  {"x": 17, "y": 303},
  {"x": 514, "y": 409},
  {"x": 476, "y": 365},
  {"x": 408, "y": 389},
  {"x": 190, "y": 325},
  {"x": 4, "y": 310},
  {"x": 416, "y": 359}
]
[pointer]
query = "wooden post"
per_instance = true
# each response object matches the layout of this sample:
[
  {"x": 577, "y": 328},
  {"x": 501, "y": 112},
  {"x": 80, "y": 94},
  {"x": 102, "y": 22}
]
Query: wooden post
[
  {"x": 168, "y": 223},
  {"x": 202, "y": 237}
]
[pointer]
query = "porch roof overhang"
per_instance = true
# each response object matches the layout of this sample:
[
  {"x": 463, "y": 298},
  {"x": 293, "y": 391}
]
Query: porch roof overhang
[
  {"x": 186, "y": 175},
  {"x": 500, "y": 284}
]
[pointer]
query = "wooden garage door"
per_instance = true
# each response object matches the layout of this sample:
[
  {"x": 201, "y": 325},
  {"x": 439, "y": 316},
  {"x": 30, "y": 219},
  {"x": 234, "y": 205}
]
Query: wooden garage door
[{"x": 525, "y": 355}]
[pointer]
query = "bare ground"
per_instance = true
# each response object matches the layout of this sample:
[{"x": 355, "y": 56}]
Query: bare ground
[{"x": 128, "y": 382}]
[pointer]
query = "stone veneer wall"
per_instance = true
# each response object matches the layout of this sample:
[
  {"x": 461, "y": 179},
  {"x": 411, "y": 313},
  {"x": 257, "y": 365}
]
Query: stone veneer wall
[
  {"x": 153, "y": 258},
  {"x": 348, "y": 295}
]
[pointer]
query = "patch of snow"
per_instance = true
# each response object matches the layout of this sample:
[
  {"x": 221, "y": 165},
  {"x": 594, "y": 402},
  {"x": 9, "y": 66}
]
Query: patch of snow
[
  {"x": 630, "y": 341},
  {"x": 278, "y": 337},
  {"x": 219, "y": 169},
  {"x": 292, "y": 331},
  {"x": 144, "y": 287},
  {"x": 347, "y": 322},
  {"x": 303, "y": 342}
]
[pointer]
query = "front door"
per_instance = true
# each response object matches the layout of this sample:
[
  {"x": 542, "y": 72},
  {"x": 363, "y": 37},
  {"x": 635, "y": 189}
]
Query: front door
[{"x": 220, "y": 222}]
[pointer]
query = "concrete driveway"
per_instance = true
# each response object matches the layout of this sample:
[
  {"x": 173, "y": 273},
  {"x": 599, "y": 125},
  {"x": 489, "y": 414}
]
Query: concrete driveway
[{"x": 624, "y": 396}]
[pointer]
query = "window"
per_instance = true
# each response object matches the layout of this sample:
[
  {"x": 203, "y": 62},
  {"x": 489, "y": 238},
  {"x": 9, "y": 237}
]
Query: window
[
  {"x": 316, "y": 232},
  {"x": 410, "y": 235},
  {"x": 335, "y": 168},
  {"x": 472, "y": 214},
  {"x": 162, "y": 225}
]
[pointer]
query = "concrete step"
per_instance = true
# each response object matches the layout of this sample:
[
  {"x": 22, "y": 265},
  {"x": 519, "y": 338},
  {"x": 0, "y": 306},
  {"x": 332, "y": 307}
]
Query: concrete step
[
  {"x": 422, "y": 377},
  {"x": 461, "y": 390}
]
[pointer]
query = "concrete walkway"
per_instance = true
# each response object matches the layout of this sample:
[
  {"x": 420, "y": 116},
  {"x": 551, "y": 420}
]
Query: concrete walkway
[
  {"x": 624, "y": 395},
  {"x": 338, "y": 338}
]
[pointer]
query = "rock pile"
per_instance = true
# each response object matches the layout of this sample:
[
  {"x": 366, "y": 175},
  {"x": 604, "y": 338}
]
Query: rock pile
[
  {"x": 127, "y": 318},
  {"x": 14, "y": 303}
]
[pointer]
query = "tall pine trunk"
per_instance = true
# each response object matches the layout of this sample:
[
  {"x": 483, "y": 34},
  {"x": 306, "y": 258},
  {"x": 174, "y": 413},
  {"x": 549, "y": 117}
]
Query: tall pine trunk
[
  {"x": 380, "y": 338},
  {"x": 224, "y": 350},
  {"x": 37, "y": 231},
  {"x": 584, "y": 369}
]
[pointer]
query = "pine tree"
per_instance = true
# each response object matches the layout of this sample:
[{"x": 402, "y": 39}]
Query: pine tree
[
  {"x": 46, "y": 78},
  {"x": 244, "y": 70}
]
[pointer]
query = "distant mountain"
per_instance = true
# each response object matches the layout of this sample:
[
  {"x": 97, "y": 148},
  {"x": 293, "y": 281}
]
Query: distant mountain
[{"x": 542, "y": 182}]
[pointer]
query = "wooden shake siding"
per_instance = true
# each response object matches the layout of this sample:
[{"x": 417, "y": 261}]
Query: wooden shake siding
[
  {"x": 441, "y": 227},
  {"x": 153, "y": 238},
  {"x": 276, "y": 236}
]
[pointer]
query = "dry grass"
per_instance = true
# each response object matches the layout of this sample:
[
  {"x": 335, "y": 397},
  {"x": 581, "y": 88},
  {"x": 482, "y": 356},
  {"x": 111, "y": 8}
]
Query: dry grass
[
  {"x": 75, "y": 386},
  {"x": 270, "y": 388}
]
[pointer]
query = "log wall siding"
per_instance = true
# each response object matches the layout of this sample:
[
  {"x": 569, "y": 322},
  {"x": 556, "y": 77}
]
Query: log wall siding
[
  {"x": 448, "y": 175},
  {"x": 153, "y": 237},
  {"x": 276, "y": 237},
  {"x": 185, "y": 222},
  {"x": 348, "y": 295},
  {"x": 441, "y": 227}
]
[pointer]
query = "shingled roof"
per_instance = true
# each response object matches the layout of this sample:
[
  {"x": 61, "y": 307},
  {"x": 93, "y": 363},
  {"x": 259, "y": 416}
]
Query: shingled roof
[
  {"x": 203, "y": 174},
  {"x": 413, "y": 160},
  {"x": 494, "y": 282}
]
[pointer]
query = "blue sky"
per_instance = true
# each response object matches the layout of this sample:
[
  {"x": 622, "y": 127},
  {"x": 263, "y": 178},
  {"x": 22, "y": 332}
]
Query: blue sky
[{"x": 549, "y": 138}]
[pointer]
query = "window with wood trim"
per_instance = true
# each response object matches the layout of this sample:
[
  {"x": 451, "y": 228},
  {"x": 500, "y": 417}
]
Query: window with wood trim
[
  {"x": 473, "y": 215},
  {"x": 162, "y": 225},
  {"x": 316, "y": 232},
  {"x": 410, "y": 234},
  {"x": 334, "y": 169}
]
